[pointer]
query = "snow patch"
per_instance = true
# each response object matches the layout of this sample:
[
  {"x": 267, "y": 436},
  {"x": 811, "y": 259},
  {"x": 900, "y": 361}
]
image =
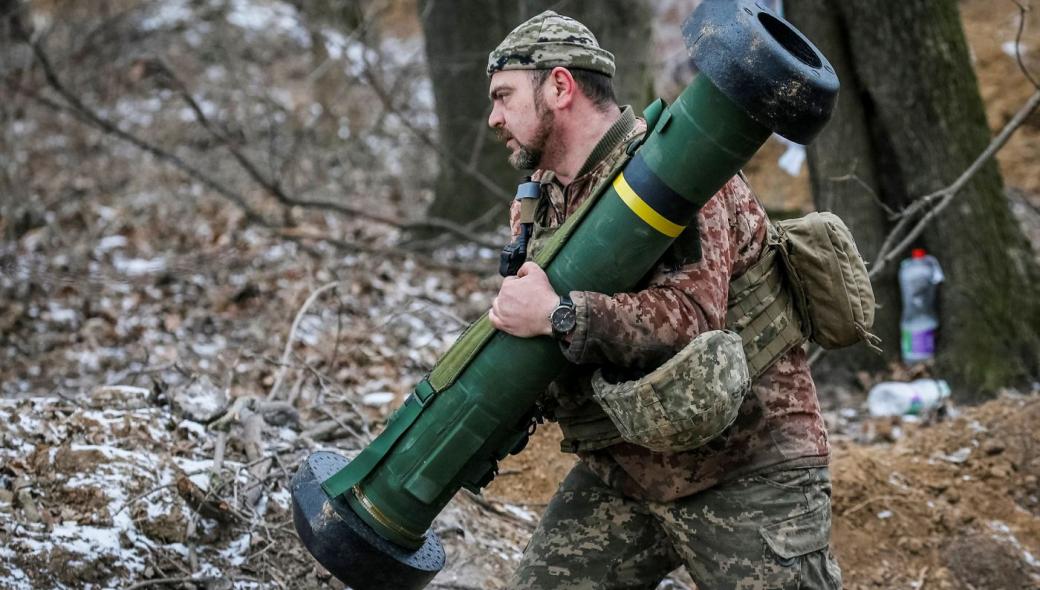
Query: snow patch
[
  {"x": 167, "y": 15},
  {"x": 110, "y": 243},
  {"x": 139, "y": 266},
  {"x": 268, "y": 17}
]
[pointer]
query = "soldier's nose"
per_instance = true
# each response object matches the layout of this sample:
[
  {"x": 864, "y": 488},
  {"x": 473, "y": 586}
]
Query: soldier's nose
[{"x": 495, "y": 118}]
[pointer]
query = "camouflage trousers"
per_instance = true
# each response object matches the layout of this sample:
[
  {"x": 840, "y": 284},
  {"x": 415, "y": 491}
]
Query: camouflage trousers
[{"x": 762, "y": 531}]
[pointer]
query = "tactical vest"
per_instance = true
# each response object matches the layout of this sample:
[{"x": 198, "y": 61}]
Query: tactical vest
[{"x": 760, "y": 308}]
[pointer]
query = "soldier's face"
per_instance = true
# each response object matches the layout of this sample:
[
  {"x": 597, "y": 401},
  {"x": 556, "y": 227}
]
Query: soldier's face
[{"x": 520, "y": 117}]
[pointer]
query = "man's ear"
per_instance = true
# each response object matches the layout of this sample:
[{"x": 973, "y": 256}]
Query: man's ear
[{"x": 561, "y": 88}]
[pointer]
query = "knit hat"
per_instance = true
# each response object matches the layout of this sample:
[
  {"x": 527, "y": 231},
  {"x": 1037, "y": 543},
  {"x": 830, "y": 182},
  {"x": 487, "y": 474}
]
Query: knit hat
[{"x": 547, "y": 41}]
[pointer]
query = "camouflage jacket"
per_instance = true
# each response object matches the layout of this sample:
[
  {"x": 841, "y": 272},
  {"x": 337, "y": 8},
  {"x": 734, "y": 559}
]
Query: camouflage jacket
[{"x": 778, "y": 426}]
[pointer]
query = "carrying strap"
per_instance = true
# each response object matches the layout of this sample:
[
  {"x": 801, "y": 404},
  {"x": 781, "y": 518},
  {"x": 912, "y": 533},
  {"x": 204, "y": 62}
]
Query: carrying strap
[
  {"x": 527, "y": 210},
  {"x": 473, "y": 340},
  {"x": 401, "y": 420},
  {"x": 477, "y": 335},
  {"x": 528, "y": 193}
]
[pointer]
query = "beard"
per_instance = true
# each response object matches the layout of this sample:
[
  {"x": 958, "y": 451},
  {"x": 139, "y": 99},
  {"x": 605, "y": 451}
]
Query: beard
[{"x": 528, "y": 156}]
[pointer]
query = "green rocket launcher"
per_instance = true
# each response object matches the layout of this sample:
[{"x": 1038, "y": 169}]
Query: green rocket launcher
[{"x": 368, "y": 520}]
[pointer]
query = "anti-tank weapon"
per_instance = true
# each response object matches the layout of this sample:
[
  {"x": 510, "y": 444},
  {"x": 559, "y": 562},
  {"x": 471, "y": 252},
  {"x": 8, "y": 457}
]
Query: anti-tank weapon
[{"x": 367, "y": 520}]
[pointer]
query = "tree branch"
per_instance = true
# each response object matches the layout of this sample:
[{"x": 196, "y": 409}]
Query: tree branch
[
  {"x": 853, "y": 177},
  {"x": 292, "y": 335},
  {"x": 275, "y": 189},
  {"x": 84, "y": 113},
  {"x": 465, "y": 167},
  {"x": 898, "y": 239},
  {"x": 942, "y": 198},
  {"x": 423, "y": 259},
  {"x": 271, "y": 187}
]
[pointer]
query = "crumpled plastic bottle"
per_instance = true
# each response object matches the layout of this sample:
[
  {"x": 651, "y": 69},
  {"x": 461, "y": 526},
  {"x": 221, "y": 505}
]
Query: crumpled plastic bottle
[{"x": 893, "y": 398}]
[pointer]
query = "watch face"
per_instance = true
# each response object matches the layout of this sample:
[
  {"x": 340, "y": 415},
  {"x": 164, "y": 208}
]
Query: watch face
[{"x": 563, "y": 319}]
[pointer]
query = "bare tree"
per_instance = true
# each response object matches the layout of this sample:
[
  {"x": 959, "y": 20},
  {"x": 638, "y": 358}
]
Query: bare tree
[{"x": 910, "y": 121}]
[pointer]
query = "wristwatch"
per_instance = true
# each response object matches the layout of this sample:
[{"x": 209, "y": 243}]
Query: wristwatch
[{"x": 563, "y": 318}]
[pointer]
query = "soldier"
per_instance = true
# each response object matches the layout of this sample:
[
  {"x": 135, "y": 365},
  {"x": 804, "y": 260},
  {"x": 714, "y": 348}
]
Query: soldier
[{"x": 748, "y": 509}]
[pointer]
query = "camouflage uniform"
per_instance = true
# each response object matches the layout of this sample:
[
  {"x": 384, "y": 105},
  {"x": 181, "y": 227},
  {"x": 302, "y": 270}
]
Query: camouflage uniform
[{"x": 751, "y": 508}]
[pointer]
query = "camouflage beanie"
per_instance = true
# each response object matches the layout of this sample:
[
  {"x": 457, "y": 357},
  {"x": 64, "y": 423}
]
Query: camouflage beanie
[{"x": 547, "y": 41}]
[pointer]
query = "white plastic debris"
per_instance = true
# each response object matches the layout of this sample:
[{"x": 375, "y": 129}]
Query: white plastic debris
[
  {"x": 1008, "y": 47},
  {"x": 959, "y": 456},
  {"x": 110, "y": 243},
  {"x": 793, "y": 158},
  {"x": 893, "y": 398}
]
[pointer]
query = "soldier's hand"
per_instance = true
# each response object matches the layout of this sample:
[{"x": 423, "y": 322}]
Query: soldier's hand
[{"x": 524, "y": 303}]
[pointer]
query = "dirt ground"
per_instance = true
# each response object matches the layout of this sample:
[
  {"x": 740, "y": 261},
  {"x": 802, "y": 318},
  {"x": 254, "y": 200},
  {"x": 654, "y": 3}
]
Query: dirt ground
[{"x": 952, "y": 505}]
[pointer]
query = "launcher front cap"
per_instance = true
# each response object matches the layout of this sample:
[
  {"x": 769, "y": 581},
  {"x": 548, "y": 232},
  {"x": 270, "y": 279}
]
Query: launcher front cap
[{"x": 348, "y": 547}]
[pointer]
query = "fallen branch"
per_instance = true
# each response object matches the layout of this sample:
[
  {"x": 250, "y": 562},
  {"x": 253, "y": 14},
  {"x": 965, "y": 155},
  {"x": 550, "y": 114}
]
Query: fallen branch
[
  {"x": 870, "y": 501},
  {"x": 292, "y": 336},
  {"x": 252, "y": 415},
  {"x": 204, "y": 503},
  {"x": 329, "y": 430},
  {"x": 921, "y": 578},
  {"x": 349, "y": 429},
  {"x": 25, "y": 500},
  {"x": 142, "y": 496},
  {"x": 489, "y": 507},
  {"x": 252, "y": 442}
]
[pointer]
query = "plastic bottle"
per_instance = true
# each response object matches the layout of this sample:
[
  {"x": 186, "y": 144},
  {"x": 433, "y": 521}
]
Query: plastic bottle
[
  {"x": 919, "y": 277},
  {"x": 892, "y": 398}
]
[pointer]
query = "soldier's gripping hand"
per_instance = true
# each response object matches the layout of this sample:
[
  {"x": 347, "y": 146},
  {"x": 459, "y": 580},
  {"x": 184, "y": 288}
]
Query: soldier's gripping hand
[{"x": 524, "y": 303}]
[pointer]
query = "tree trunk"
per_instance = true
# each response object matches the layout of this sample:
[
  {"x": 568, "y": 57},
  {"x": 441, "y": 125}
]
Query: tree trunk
[
  {"x": 909, "y": 69},
  {"x": 457, "y": 58},
  {"x": 845, "y": 179}
]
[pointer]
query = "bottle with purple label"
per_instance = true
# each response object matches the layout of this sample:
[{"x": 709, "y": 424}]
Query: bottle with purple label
[{"x": 919, "y": 278}]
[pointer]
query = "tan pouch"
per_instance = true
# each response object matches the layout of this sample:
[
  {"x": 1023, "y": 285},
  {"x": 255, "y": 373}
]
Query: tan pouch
[{"x": 829, "y": 279}]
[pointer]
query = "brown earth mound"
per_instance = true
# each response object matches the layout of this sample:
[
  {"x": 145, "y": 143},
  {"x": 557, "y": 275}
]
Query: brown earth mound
[{"x": 953, "y": 505}]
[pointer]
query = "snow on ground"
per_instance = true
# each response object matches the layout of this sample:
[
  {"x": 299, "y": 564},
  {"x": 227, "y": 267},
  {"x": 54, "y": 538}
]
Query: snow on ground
[{"x": 102, "y": 483}]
